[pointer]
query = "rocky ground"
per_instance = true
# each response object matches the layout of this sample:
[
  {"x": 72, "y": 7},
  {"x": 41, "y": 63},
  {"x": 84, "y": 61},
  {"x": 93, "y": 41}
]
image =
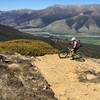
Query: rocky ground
[
  {"x": 70, "y": 79},
  {"x": 21, "y": 80}
]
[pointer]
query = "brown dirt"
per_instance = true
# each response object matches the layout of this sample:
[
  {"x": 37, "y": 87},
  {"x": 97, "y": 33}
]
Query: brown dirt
[
  {"x": 62, "y": 75},
  {"x": 20, "y": 80}
]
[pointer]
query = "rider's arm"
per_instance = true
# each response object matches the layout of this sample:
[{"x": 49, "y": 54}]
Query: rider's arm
[{"x": 75, "y": 43}]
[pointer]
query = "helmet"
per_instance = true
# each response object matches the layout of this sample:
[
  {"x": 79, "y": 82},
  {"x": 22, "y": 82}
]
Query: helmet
[{"x": 74, "y": 38}]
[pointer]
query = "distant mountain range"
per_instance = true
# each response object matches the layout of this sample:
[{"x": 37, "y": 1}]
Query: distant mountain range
[{"x": 58, "y": 18}]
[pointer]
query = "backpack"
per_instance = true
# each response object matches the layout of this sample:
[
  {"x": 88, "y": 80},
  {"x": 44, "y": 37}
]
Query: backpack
[{"x": 78, "y": 44}]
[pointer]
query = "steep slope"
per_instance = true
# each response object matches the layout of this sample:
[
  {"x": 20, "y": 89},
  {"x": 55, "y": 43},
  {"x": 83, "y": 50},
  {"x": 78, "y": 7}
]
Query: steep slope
[
  {"x": 7, "y": 33},
  {"x": 63, "y": 76}
]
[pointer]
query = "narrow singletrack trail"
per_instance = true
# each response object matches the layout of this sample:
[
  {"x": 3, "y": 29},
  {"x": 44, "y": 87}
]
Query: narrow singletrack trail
[{"x": 61, "y": 75}]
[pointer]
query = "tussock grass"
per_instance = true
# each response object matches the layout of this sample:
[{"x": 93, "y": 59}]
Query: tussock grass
[{"x": 27, "y": 47}]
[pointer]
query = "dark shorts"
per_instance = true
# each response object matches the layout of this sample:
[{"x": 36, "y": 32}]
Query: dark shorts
[{"x": 75, "y": 50}]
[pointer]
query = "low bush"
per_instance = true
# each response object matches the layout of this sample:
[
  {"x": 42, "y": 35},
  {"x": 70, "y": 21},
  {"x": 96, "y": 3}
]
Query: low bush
[{"x": 27, "y": 47}]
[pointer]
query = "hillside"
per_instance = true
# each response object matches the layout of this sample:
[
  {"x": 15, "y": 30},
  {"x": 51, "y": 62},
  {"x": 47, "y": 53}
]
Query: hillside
[
  {"x": 80, "y": 18},
  {"x": 57, "y": 26},
  {"x": 7, "y": 33},
  {"x": 81, "y": 23},
  {"x": 42, "y": 46},
  {"x": 27, "y": 47},
  {"x": 71, "y": 80}
]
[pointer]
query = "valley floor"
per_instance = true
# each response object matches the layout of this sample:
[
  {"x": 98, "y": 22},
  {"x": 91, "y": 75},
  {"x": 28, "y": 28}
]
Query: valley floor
[{"x": 62, "y": 75}]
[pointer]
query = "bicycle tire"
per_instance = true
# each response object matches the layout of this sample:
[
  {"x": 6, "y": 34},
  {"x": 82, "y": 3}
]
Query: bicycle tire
[{"x": 63, "y": 54}]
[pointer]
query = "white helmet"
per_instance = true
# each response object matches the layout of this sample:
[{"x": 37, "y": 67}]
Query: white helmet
[{"x": 74, "y": 38}]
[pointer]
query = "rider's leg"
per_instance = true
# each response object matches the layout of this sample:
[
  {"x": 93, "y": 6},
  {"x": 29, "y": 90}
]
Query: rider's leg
[{"x": 74, "y": 53}]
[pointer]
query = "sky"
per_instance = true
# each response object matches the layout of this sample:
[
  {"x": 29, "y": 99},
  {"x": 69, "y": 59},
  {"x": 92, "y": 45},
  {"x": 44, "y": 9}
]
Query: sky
[{"x": 39, "y": 4}]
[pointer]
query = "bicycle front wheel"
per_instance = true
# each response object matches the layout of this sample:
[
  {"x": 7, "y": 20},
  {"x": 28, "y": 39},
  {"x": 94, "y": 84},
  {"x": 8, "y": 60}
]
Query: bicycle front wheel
[{"x": 63, "y": 54}]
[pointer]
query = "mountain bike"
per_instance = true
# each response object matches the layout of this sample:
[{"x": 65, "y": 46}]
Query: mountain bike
[
  {"x": 69, "y": 53},
  {"x": 65, "y": 53}
]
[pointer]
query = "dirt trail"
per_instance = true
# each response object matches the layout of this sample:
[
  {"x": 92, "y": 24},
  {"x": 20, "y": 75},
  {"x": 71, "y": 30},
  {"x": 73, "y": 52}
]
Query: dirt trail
[{"x": 61, "y": 75}]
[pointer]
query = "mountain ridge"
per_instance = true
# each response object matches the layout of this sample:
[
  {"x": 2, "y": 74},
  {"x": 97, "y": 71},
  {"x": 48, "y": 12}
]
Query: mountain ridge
[{"x": 27, "y": 18}]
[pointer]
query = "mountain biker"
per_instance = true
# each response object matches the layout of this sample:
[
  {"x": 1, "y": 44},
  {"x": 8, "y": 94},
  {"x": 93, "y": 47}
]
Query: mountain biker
[{"x": 75, "y": 45}]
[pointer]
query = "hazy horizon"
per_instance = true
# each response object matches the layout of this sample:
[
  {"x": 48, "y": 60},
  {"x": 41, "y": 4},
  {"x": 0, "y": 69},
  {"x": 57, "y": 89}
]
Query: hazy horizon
[
  {"x": 48, "y": 7},
  {"x": 7, "y": 5}
]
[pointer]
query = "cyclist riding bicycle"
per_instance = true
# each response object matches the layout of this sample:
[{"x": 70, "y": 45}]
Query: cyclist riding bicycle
[{"x": 75, "y": 45}]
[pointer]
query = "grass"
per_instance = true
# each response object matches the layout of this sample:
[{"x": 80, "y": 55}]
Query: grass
[
  {"x": 27, "y": 47},
  {"x": 91, "y": 40},
  {"x": 91, "y": 50}
]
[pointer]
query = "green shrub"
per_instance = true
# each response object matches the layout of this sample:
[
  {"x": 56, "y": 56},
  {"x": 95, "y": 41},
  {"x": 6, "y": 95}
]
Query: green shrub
[{"x": 27, "y": 47}]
